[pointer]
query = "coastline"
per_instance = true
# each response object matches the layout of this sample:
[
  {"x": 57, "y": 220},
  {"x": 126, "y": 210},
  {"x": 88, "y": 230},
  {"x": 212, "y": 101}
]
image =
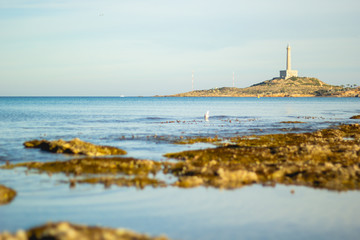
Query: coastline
[
  {"x": 291, "y": 87},
  {"x": 254, "y": 96}
]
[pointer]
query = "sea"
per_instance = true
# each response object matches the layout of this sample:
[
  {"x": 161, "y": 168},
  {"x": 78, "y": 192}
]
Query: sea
[{"x": 146, "y": 127}]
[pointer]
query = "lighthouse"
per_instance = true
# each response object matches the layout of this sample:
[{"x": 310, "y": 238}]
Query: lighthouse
[{"x": 288, "y": 73}]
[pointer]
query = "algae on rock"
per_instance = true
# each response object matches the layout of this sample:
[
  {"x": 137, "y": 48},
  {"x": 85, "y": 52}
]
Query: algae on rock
[
  {"x": 136, "y": 170},
  {"x": 190, "y": 140},
  {"x": 6, "y": 195},
  {"x": 328, "y": 158},
  {"x": 128, "y": 166},
  {"x": 294, "y": 122},
  {"x": 68, "y": 231},
  {"x": 355, "y": 117},
  {"x": 74, "y": 146}
]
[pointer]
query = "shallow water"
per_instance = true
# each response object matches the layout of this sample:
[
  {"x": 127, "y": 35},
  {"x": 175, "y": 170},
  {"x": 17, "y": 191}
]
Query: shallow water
[{"x": 144, "y": 128}]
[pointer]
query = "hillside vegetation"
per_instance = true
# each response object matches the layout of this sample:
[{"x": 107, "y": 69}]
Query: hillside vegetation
[{"x": 291, "y": 87}]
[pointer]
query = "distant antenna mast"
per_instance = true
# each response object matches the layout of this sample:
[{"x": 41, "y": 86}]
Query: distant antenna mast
[
  {"x": 233, "y": 79},
  {"x": 193, "y": 80}
]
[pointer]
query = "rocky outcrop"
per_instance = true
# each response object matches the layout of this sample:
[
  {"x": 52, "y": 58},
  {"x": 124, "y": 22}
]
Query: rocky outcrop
[
  {"x": 68, "y": 231},
  {"x": 291, "y": 87},
  {"x": 6, "y": 195},
  {"x": 328, "y": 158},
  {"x": 75, "y": 146}
]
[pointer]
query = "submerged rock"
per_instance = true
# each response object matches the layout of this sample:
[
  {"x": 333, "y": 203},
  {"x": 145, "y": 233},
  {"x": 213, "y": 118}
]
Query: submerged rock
[
  {"x": 292, "y": 122},
  {"x": 68, "y": 231},
  {"x": 6, "y": 195},
  {"x": 74, "y": 146}
]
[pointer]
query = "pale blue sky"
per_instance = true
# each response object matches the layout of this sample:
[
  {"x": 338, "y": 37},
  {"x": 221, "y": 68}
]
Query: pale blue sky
[{"x": 148, "y": 47}]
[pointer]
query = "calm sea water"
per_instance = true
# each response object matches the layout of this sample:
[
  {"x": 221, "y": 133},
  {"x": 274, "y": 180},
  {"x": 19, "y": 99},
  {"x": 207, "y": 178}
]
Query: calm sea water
[{"x": 143, "y": 126}]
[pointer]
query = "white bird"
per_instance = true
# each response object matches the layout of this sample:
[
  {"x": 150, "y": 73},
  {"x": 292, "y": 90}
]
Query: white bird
[{"x": 206, "y": 116}]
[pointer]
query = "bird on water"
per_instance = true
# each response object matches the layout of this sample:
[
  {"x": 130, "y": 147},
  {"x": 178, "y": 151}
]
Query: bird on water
[{"x": 206, "y": 116}]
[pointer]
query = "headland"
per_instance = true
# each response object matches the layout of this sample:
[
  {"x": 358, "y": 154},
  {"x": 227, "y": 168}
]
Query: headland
[{"x": 290, "y": 87}]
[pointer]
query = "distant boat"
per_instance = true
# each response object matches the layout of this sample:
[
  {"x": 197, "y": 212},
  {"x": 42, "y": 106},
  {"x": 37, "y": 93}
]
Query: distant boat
[{"x": 122, "y": 95}]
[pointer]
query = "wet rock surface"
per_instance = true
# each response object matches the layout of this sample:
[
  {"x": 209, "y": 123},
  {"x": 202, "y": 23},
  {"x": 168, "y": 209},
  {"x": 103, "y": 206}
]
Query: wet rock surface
[
  {"x": 135, "y": 171},
  {"x": 355, "y": 117},
  {"x": 68, "y": 231},
  {"x": 6, "y": 195},
  {"x": 327, "y": 159},
  {"x": 192, "y": 140},
  {"x": 74, "y": 146},
  {"x": 292, "y": 122},
  {"x": 128, "y": 166}
]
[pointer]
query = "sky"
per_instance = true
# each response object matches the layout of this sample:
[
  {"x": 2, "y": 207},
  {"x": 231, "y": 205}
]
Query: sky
[{"x": 151, "y": 47}]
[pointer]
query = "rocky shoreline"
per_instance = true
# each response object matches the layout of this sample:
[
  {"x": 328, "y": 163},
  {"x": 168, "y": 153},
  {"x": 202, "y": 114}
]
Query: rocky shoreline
[{"x": 327, "y": 159}]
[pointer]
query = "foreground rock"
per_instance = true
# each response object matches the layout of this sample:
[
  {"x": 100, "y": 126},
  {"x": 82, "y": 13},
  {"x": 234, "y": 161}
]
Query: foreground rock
[
  {"x": 68, "y": 231},
  {"x": 75, "y": 146},
  {"x": 6, "y": 195},
  {"x": 327, "y": 159}
]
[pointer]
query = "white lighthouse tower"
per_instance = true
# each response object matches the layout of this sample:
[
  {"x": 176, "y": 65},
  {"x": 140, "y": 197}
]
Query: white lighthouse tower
[{"x": 288, "y": 73}]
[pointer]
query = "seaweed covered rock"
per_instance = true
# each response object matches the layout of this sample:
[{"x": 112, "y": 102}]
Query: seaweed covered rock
[
  {"x": 128, "y": 166},
  {"x": 6, "y": 195},
  {"x": 355, "y": 117},
  {"x": 101, "y": 170},
  {"x": 328, "y": 158},
  {"x": 294, "y": 122},
  {"x": 74, "y": 146},
  {"x": 68, "y": 231}
]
